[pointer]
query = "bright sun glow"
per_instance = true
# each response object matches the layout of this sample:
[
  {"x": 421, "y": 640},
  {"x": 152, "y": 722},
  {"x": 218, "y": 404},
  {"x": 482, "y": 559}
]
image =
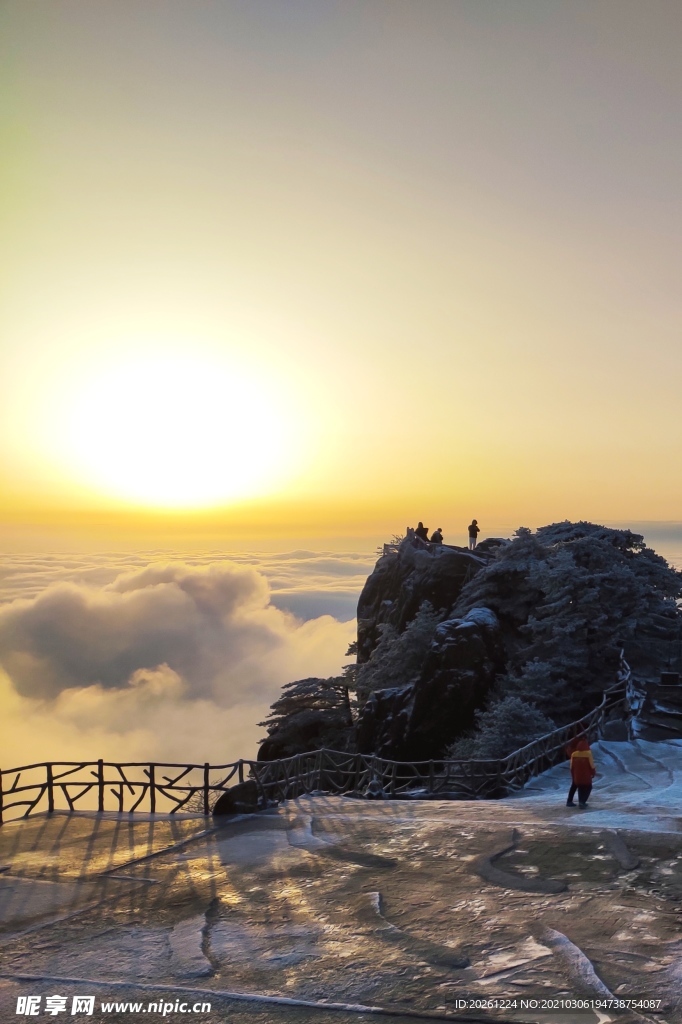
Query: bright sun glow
[{"x": 176, "y": 432}]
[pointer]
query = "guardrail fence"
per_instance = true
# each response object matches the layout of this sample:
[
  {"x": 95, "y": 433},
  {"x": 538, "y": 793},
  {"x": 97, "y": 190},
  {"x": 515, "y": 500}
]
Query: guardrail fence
[{"x": 168, "y": 788}]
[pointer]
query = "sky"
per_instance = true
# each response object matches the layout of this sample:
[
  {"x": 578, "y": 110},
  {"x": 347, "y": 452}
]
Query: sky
[
  {"x": 279, "y": 278},
  {"x": 320, "y": 268}
]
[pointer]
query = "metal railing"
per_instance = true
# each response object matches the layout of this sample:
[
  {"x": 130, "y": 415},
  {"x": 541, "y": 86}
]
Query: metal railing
[{"x": 168, "y": 788}]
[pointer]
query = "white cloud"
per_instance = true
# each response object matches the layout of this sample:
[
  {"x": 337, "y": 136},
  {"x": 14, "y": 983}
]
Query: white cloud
[
  {"x": 151, "y": 719},
  {"x": 171, "y": 661},
  {"x": 322, "y": 575}
]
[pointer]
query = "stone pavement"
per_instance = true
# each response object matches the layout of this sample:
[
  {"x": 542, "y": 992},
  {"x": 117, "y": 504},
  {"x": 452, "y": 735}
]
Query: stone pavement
[{"x": 419, "y": 908}]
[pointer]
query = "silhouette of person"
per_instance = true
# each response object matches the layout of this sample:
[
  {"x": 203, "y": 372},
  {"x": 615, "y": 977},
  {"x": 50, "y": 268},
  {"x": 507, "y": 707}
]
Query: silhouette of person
[
  {"x": 473, "y": 533},
  {"x": 422, "y": 531},
  {"x": 437, "y": 536}
]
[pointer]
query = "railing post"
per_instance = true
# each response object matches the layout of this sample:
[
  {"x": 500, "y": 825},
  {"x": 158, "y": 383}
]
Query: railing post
[
  {"x": 2, "y": 802},
  {"x": 301, "y": 778},
  {"x": 241, "y": 770},
  {"x": 50, "y": 788},
  {"x": 394, "y": 772},
  {"x": 152, "y": 789},
  {"x": 373, "y": 769},
  {"x": 206, "y": 781},
  {"x": 100, "y": 785},
  {"x": 356, "y": 773},
  {"x": 431, "y": 776}
]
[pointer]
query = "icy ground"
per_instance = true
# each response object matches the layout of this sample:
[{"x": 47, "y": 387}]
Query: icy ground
[{"x": 403, "y": 905}]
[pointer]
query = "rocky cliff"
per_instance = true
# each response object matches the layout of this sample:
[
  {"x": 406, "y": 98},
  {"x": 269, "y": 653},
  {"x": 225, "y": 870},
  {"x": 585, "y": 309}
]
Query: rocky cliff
[
  {"x": 407, "y": 576},
  {"x": 530, "y": 631},
  {"x": 416, "y": 722}
]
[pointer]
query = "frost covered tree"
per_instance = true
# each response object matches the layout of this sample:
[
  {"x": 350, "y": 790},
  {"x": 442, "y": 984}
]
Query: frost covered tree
[
  {"x": 312, "y": 713},
  {"x": 312, "y": 694},
  {"x": 349, "y": 674},
  {"x": 507, "y": 725},
  {"x": 398, "y": 657},
  {"x": 570, "y": 597},
  {"x": 536, "y": 683}
]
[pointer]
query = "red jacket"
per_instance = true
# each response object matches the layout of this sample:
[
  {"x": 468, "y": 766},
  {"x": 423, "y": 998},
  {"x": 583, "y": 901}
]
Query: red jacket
[{"x": 582, "y": 765}]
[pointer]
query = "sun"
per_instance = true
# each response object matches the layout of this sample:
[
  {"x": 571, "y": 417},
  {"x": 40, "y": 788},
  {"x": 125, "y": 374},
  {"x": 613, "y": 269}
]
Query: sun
[{"x": 177, "y": 432}]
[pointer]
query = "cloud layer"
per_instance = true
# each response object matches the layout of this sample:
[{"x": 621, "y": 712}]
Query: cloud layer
[
  {"x": 329, "y": 582},
  {"x": 166, "y": 660}
]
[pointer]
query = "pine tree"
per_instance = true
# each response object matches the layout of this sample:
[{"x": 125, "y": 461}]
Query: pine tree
[
  {"x": 571, "y": 596},
  {"x": 310, "y": 694},
  {"x": 506, "y": 726},
  {"x": 398, "y": 658},
  {"x": 540, "y": 684}
]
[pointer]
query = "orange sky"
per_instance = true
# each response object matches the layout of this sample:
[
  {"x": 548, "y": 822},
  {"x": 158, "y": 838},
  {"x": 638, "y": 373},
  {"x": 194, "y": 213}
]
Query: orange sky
[{"x": 316, "y": 270}]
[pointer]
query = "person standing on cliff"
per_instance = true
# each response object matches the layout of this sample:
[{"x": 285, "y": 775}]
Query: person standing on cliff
[
  {"x": 422, "y": 531},
  {"x": 473, "y": 533}
]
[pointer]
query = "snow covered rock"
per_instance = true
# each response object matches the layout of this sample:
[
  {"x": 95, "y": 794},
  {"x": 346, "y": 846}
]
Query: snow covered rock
[
  {"x": 403, "y": 580},
  {"x": 418, "y": 722},
  {"x": 243, "y": 798},
  {"x": 545, "y": 618}
]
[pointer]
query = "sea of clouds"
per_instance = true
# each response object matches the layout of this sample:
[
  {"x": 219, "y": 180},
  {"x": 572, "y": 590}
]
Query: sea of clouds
[
  {"x": 151, "y": 655},
  {"x": 144, "y": 656}
]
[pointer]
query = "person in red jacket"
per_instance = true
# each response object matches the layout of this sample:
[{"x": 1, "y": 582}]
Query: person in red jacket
[
  {"x": 582, "y": 773},
  {"x": 572, "y": 745}
]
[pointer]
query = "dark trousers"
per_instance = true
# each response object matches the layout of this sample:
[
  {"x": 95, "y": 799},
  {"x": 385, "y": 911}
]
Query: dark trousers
[{"x": 583, "y": 792}]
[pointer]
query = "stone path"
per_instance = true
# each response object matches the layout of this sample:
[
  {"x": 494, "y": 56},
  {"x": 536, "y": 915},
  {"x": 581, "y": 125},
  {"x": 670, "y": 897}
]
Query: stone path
[{"x": 416, "y": 908}]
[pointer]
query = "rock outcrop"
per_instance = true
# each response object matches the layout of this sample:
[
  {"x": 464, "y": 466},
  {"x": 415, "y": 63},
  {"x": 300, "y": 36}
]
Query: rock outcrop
[
  {"x": 404, "y": 578},
  {"x": 417, "y": 722},
  {"x": 538, "y": 624},
  {"x": 244, "y": 798}
]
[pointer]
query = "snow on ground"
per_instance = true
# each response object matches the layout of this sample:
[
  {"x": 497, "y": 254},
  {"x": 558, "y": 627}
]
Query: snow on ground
[
  {"x": 410, "y": 906},
  {"x": 638, "y": 785}
]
